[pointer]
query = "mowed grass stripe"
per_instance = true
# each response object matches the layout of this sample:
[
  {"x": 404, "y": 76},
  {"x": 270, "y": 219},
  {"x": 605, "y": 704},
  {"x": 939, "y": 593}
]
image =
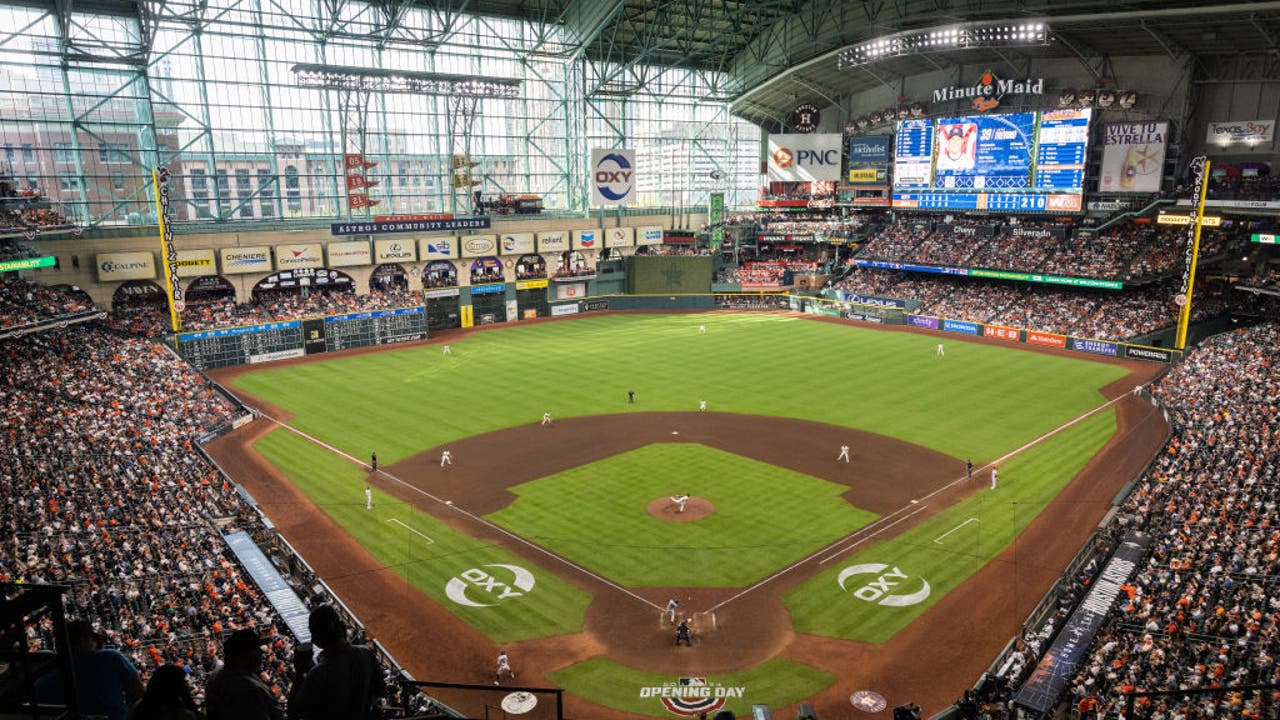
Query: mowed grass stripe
[
  {"x": 1027, "y": 483},
  {"x": 776, "y": 683},
  {"x": 978, "y": 402},
  {"x": 765, "y": 516},
  {"x": 553, "y": 607}
]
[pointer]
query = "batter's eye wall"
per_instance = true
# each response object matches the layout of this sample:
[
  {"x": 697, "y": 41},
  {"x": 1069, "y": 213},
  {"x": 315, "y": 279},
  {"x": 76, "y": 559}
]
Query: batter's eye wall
[{"x": 650, "y": 275}]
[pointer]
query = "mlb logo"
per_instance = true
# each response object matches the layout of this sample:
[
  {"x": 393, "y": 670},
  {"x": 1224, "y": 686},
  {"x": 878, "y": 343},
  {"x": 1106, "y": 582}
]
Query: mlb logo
[{"x": 693, "y": 681}]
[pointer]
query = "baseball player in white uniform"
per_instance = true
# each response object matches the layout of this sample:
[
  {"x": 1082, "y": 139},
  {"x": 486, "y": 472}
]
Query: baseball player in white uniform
[
  {"x": 446, "y": 458},
  {"x": 504, "y": 665},
  {"x": 941, "y": 352},
  {"x": 680, "y": 500},
  {"x": 702, "y": 329},
  {"x": 448, "y": 350},
  {"x": 844, "y": 453},
  {"x": 672, "y": 604},
  {"x": 702, "y": 406},
  {"x": 993, "y": 478},
  {"x": 546, "y": 418},
  {"x": 368, "y": 498}
]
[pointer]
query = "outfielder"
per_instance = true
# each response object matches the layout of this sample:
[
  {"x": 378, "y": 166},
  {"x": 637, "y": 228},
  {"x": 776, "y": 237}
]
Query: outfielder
[
  {"x": 844, "y": 453},
  {"x": 993, "y": 478},
  {"x": 446, "y": 458},
  {"x": 680, "y": 500},
  {"x": 368, "y": 498},
  {"x": 504, "y": 665},
  {"x": 702, "y": 329},
  {"x": 941, "y": 352},
  {"x": 702, "y": 406},
  {"x": 546, "y": 418},
  {"x": 448, "y": 350},
  {"x": 672, "y": 604}
]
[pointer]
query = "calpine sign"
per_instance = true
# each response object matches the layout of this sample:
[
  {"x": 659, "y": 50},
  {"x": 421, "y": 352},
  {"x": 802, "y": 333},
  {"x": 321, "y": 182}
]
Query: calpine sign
[
  {"x": 804, "y": 158},
  {"x": 989, "y": 91}
]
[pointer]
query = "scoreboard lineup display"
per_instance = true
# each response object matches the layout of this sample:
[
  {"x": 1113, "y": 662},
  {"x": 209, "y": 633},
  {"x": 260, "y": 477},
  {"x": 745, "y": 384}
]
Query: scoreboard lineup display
[
  {"x": 1029, "y": 162},
  {"x": 276, "y": 341}
]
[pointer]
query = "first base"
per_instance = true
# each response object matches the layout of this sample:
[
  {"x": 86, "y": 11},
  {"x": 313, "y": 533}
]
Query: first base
[{"x": 673, "y": 432}]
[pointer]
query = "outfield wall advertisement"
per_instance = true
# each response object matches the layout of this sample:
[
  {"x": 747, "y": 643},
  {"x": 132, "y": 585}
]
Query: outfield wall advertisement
[{"x": 1032, "y": 337}]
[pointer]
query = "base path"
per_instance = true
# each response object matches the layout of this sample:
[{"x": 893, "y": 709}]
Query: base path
[{"x": 930, "y": 662}]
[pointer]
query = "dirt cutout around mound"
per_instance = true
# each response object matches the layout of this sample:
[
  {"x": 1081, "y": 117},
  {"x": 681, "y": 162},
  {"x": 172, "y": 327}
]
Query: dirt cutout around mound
[
  {"x": 668, "y": 509},
  {"x": 930, "y": 662}
]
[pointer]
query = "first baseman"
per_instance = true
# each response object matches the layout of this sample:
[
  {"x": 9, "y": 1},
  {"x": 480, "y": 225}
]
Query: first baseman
[
  {"x": 844, "y": 454},
  {"x": 504, "y": 665},
  {"x": 446, "y": 458}
]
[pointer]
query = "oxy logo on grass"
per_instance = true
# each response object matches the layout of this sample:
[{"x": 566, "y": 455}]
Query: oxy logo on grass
[
  {"x": 511, "y": 581},
  {"x": 887, "y": 586},
  {"x": 692, "y": 696}
]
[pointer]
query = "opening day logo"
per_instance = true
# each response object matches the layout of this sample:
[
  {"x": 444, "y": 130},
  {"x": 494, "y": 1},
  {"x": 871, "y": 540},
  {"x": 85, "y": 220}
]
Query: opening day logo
[
  {"x": 883, "y": 590},
  {"x": 468, "y": 584},
  {"x": 692, "y": 696}
]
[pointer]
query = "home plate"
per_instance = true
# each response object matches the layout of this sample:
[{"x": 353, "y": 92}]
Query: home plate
[{"x": 675, "y": 432}]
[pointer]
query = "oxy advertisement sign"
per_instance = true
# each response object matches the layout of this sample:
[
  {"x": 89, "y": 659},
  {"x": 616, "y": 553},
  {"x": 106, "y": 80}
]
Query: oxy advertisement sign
[
  {"x": 438, "y": 248},
  {"x": 804, "y": 158},
  {"x": 554, "y": 241},
  {"x": 289, "y": 257},
  {"x": 620, "y": 237},
  {"x": 613, "y": 176},
  {"x": 347, "y": 254},
  {"x": 1133, "y": 157},
  {"x": 126, "y": 266},
  {"x": 394, "y": 251},
  {"x": 516, "y": 243},
  {"x": 586, "y": 240},
  {"x": 478, "y": 245},
  {"x": 245, "y": 260},
  {"x": 649, "y": 235}
]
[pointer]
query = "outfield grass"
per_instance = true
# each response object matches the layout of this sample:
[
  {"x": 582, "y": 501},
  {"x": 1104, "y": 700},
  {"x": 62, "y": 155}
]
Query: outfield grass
[
  {"x": 422, "y": 550},
  {"x": 978, "y": 402},
  {"x": 596, "y": 516},
  {"x": 776, "y": 683},
  {"x": 1028, "y": 482}
]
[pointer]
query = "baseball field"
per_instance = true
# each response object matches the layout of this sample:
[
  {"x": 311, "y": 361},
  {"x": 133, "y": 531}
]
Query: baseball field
[{"x": 802, "y": 577}]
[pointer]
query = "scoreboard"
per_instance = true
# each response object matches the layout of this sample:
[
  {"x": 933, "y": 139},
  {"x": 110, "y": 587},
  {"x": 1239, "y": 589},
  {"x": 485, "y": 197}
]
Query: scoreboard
[
  {"x": 294, "y": 338},
  {"x": 1018, "y": 162}
]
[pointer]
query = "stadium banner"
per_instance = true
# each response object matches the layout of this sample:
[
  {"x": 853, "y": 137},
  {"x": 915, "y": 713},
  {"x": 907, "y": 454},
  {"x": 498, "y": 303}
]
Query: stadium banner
[
  {"x": 406, "y": 226},
  {"x": 565, "y": 309},
  {"x": 960, "y": 326},
  {"x": 1146, "y": 353},
  {"x": 438, "y": 248},
  {"x": 570, "y": 291},
  {"x": 984, "y": 231},
  {"x": 1058, "y": 232},
  {"x": 856, "y": 299},
  {"x": 619, "y": 237},
  {"x": 613, "y": 176},
  {"x": 439, "y": 293},
  {"x": 532, "y": 284},
  {"x": 1060, "y": 662},
  {"x": 347, "y": 254},
  {"x": 1002, "y": 333},
  {"x": 585, "y": 240},
  {"x": 517, "y": 243},
  {"x": 126, "y": 266},
  {"x": 804, "y": 157},
  {"x": 715, "y": 219},
  {"x": 245, "y": 260},
  {"x": 28, "y": 263},
  {"x": 489, "y": 289},
  {"x": 554, "y": 241},
  {"x": 923, "y": 321},
  {"x": 1252, "y": 132},
  {"x": 595, "y": 305},
  {"x": 289, "y": 257},
  {"x": 1097, "y": 347},
  {"x": 935, "y": 269},
  {"x": 394, "y": 251},
  {"x": 197, "y": 262},
  {"x": 1263, "y": 238},
  {"x": 286, "y": 602},
  {"x": 474, "y": 246},
  {"x": 868, "y": 160},
  {"x": 1046, "y": 339},
  {"x": 649, "y": 235},
  {"x": 1133, "y": 157},
  {"x": 276, "y": 355}
]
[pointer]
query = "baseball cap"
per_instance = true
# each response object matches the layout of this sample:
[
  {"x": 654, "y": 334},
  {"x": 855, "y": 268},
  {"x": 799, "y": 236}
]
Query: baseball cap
[{"x": 241, "y": 641}]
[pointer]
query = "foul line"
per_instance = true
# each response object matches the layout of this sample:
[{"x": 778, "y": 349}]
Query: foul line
[
  {"x": 878, "y": 530},
  {"x": 415, "y": 532},
  {"x": 938, "y": 540},
  {"x": 473, "y": 516}
]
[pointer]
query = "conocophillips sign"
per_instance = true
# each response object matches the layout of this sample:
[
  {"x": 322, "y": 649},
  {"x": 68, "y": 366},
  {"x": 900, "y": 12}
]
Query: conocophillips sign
[
  {"x": 244, "y": 260},
  {"x": 289, "y": 257},
  {"x": 126, "y": 266},
  {"x": 804, "y": 158}
]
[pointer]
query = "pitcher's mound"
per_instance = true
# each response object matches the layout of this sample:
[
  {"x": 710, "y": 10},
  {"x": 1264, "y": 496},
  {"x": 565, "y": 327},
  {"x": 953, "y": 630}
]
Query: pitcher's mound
[{"x": 696, "y": 509}]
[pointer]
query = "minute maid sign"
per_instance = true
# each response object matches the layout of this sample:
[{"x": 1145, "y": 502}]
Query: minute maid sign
[
  {"x": 989, "y": 90},
  {"x": 692, "y": 696}
]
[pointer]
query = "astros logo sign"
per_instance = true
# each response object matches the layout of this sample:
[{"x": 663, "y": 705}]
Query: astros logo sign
[
  {"x": 613, "y": 176},
  {"x": 478, "y": 582},
  {"x": 884, "y": 589}
]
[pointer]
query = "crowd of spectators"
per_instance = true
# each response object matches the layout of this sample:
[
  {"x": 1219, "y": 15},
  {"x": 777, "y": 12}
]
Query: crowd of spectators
[
  {"x": 25, "y": 209},
  {"x": 106, "y": 494},
  {"x": 1164, "y": 254},
  {"x": 1203, "y": 610},
  {"x": 12, "y": 249},
  {"x": 950, "y": 245},
  {"x": 1259, "y": 187},
  {"x": 892, "y": 242},
  {"x": 1105, "y": 255},
  {"x": 26, "y": 303},
  {"x": 674, "y": 250}
]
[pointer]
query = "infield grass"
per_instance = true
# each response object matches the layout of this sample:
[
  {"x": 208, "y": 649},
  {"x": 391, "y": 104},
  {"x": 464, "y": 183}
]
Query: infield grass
[
  {"x": 776, "y": 683},
  {"x": 978, "y": 402},
  {"x": 424, "y": 551},
  {"x": 765, "y": 516}
]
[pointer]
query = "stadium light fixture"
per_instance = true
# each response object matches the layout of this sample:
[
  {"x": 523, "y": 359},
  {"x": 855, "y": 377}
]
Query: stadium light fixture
[
  {"x": 1003, "y": 34},
  {"x": 338, "y": 77}
]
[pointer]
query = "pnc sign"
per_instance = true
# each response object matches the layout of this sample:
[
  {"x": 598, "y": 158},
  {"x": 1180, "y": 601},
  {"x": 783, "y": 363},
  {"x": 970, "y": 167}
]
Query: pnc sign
[
  {"x": 804, "y": 157},
  {"x": 883, "y": 585},
  {"x": 472, "y": 587}
]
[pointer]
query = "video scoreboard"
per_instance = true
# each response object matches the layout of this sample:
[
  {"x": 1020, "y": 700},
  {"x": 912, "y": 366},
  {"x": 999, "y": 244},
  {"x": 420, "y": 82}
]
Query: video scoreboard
[{"x": 1018, "y": 162}]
